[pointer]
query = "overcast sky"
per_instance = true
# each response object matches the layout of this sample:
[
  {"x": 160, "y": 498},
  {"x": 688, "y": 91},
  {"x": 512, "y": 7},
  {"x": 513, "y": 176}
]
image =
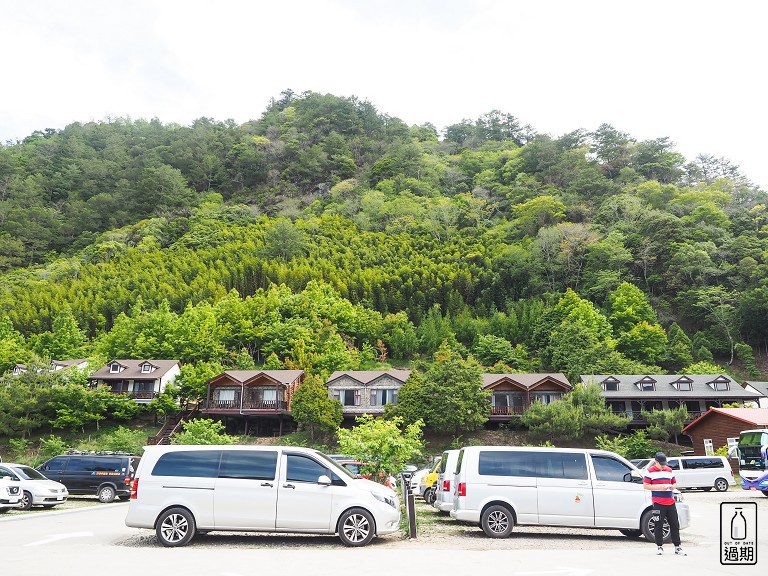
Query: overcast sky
[{"x": 693, "y": 71}]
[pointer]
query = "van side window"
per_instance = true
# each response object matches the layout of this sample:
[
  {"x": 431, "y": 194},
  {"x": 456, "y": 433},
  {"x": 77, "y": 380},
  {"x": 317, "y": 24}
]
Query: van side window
[
  {"x": 105, "y": 465},
  {"x": 194, "y": 463},
  {"x": 566, "y": 465},
  {"x": 55, "y": 464},
  {"x": 609, "y": 470},
  {"x": 251, "y": 464},
  {"x": 80, "y": 463},
  {"x": 700, "y": 463},
  {"x": 674, "y": 464},
  {"x": 303, "y": 469},
  {"x": 498, "y": 463}
]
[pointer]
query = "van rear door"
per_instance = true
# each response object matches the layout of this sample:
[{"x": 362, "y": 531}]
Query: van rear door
[
  {"x": 564, "y": 489},
  {"x": 245, "y": 495}
]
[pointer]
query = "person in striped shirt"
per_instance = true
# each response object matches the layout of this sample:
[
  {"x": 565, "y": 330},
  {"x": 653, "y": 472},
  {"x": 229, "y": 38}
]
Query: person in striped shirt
[{"x": 660, "y": 479}]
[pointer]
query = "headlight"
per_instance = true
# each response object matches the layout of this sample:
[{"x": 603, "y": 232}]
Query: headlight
[{"x": 387, "y": 499}]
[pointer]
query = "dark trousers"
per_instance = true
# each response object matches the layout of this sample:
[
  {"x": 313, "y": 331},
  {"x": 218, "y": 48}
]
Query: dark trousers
[{"x": 670, "y": 514}]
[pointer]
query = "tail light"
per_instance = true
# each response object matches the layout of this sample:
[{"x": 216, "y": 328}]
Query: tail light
[
  {"x": 732, "y": 476},
  {"x": 462, "y": 489},
  {"x": 127, "y": 480},
  {"x": 135, "y": 489},
  {"x": 446, "y": 485}
]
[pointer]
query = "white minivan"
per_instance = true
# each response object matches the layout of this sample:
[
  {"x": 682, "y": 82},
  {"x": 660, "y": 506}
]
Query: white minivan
[
  {"x": 705, "y": 472},
  {"x": 444, "y": 484},
  {"x": 180, "y": 490},
  {"x": 500, "y": 486}
]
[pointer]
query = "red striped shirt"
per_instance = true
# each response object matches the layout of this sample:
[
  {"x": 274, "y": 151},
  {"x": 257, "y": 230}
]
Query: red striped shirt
[{"x": 657, "y": 476}]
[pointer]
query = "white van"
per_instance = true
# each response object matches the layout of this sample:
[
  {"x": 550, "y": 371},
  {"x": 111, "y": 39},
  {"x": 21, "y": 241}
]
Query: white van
[
  {"x": 181, "y": 490},
  {"x": 500, "y": 486},
  {"x": 444, "y": 484},
  {"x": 705, "y": 472}
]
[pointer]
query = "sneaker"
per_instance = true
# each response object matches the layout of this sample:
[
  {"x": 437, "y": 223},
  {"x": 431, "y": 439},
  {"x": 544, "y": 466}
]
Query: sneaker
[
  {"x": 679, "y": 551},
  {"x": 659, "y": 550}
]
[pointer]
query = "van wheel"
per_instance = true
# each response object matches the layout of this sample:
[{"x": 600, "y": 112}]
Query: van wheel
[
  {"x": 721, "y": 485},
  {"x": 430, "y": 496},
  {"x": 175, "y": 527},
  {"x": 648, "y": 525},
  {"x": 631, "y": 533},
  {"x": 497, "y": 521},
  {"x": 26, "y": 501},
  {"x": 106, "y": 494},
  {"x": 356, "y": 527}
]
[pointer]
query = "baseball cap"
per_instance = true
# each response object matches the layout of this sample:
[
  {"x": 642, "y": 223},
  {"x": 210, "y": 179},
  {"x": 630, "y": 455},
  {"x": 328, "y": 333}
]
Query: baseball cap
[{"x": 661, "y": 458}]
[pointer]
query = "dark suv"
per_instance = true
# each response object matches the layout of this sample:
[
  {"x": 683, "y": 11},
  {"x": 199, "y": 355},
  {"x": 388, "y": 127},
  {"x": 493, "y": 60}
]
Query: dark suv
[{"x": 108, "y": 475}]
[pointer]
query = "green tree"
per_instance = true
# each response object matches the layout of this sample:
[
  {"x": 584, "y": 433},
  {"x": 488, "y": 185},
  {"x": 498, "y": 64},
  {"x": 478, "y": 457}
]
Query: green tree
[
  {"x": 202, "y": 431},
  {"x": 644, "y": 342},
  {"x": 314, "y": 410},
  {"x": 629, "y": 307},
  {"x": 679, "y": 348},
  {"x": 580, "y": 414},
  {"x": 447, "y": 396},
  {"x": 663, "y": 424},
  {"x": 284, "y": 241},
  {"x": 385, "y": 444}
]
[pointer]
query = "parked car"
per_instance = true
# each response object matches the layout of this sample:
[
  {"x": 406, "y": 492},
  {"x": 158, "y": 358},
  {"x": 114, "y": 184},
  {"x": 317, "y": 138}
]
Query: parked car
[
  {"x": 36, "y": 489},
  {"x": 444, "y": 485},
  {"x": 356, "y": 467},
  {"x": 10, "y": 495},
  {"x": 181, "y": 490},
  {"x": 416, "y": 478},
  {"x": 427, "y": 488},
  {"x": 107, "y": 475},
  {"x": 641, "y": 462},
  {"x": 705, "y": 472},
  {"x": 498, "y": 487}
]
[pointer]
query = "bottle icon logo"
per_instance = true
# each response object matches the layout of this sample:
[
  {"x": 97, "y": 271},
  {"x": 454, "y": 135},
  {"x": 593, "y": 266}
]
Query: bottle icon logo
[{"x": 738, "y": 525}]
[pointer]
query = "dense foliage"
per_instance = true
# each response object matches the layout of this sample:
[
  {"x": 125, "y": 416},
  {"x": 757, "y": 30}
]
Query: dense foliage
[{"x": 326, "y": 235}]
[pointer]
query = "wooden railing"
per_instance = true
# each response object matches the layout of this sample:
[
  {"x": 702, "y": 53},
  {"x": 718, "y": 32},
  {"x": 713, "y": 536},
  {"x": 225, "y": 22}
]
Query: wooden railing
[
  {"x": 252, "y": 405},
  {"x": 171, "y": 426},
  {"x": 506, "y": 410}
]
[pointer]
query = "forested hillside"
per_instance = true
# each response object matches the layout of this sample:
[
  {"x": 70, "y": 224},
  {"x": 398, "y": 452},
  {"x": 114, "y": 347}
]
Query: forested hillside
[{"x": 327, "y": 235}]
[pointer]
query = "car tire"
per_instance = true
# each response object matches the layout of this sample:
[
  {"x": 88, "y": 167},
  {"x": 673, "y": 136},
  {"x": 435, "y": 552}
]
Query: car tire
[
  {"x": 430, "y": 496},
  {"x": 106, "y": 494},
  {"x": 497, "y": 521},
  {"x": 175, "y": 527},
  {"x": 26, "y": 501},
  {"x": 721, "y": 485},
  {"x": 647, "y": 525},
  {"x": 765, "y": 492},
  {"x": 356, "y": 527},
  {"x": 631, "y": 533}
]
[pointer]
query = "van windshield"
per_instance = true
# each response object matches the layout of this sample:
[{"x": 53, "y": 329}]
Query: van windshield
[
  {"x": 335, "y": 466},
  {"x": 28, "y": 473}
]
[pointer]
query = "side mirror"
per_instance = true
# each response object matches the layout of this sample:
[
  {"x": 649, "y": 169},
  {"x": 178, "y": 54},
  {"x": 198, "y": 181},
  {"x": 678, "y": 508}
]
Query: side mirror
[
  {"x": 324, "y": 480},
  {"x": 633, "y": 476}
]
